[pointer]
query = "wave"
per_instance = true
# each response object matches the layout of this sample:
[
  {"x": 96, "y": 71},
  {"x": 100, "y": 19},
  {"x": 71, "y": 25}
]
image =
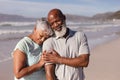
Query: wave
[
  {"x": 26, "y": 27},
  {"x": 13, "y": 31},
  {"x": 105, "y": 38},
  {"x": 16, "y": 23},
  {"x": 6, "y": 59},
  {"x": 92, "y": 27}
]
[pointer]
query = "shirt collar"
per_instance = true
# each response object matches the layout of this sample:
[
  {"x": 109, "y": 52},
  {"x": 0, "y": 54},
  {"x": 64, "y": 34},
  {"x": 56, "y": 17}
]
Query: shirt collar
[{"x": 69, "y": 35}]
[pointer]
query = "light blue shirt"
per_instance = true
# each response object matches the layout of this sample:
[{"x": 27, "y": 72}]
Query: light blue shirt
[{"x": 33, "y": 52}]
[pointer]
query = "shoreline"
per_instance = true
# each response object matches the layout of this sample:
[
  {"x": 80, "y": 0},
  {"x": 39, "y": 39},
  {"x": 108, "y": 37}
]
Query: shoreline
[
  {"x": 104, "y": 63},
  {"x": 6, "y": 69}
]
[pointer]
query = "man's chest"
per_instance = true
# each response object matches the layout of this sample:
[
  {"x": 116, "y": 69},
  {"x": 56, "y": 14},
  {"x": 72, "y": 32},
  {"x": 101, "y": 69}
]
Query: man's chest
[{"x": 67, "y": 48}]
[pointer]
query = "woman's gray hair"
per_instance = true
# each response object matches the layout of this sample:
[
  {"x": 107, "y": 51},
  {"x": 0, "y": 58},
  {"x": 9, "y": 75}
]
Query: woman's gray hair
[{"x": 43, "y": 24}]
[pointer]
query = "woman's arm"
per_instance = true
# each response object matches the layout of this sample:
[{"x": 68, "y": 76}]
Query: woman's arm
[{"x": 20, "y": 67}]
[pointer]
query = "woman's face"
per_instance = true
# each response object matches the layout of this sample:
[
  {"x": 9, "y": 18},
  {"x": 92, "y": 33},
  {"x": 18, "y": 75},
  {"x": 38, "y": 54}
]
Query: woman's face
[{"x": 41, "y": 36}]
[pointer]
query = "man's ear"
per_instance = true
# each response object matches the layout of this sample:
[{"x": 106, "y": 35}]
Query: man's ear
[{"x": 64, "y": 17}]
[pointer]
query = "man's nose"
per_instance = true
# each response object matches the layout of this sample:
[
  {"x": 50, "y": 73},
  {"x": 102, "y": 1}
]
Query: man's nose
[{"x": 56, "y": 24}]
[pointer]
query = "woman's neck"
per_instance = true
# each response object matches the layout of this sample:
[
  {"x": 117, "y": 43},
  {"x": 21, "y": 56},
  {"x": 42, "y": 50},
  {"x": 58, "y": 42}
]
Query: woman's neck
[{"x": 31, "y": 37}]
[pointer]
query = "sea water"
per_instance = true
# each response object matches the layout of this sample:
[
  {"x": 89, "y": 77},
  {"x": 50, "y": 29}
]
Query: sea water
[{"x": 12, "y": 32}]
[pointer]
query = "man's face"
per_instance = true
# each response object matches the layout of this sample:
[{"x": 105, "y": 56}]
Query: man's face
[{"x": 58, "y": 24}]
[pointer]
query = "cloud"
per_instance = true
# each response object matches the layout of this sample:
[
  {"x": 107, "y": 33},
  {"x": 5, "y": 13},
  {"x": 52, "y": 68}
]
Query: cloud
[
  {"x": 39, "y": 9},
  {"x": 36, "y": 9}
]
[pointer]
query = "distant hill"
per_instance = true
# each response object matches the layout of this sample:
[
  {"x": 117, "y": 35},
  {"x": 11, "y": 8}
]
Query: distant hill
[
  {"x": 7, "y": 17},
  {"x": 77, "y": 18},
  {"x": 102, "y": 16},
  {"x": 69, "y": 17},
  {"x": 107, "y": 16},
  {"x": 99, "y": 17},
  {"x": 115, "y": 15}
]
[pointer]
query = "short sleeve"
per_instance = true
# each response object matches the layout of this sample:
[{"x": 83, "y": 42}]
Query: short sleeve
[
  {"x": 47, "y": 45},
  {"x": 21, "y": 45},
  {"x": 83, "y": 48}
]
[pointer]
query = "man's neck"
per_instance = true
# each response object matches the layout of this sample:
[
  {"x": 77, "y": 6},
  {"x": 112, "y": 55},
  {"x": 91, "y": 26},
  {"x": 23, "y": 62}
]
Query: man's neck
[{"x": 67, "y": 33}]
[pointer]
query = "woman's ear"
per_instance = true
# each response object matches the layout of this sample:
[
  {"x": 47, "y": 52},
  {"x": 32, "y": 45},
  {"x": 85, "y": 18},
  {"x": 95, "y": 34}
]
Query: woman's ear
[{"x": 34, "y": 28}]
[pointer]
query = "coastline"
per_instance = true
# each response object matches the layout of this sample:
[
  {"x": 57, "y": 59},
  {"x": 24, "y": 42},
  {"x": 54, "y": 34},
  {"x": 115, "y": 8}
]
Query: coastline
[
  {"x": 6, "y": 70},
  {"x": 104, "y": 62}
]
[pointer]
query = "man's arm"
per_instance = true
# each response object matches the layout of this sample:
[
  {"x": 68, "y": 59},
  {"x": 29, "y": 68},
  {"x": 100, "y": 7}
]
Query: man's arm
[
  {"x": 20, "y": 67},
  {"x": 81, "y": 61},
  {"x": 50, "y": 71}
]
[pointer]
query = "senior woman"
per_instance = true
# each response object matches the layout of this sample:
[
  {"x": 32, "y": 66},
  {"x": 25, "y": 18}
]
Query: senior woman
[{"x": 27, "y": 55}]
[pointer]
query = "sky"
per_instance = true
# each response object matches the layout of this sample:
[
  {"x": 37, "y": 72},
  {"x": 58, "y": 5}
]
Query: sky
[{"x": 40, "y": 8}]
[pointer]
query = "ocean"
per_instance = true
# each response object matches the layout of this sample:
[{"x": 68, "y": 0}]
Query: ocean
[{"x": 97, "y": 33}]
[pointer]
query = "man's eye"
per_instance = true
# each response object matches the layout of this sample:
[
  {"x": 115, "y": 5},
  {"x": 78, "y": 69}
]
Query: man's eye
[{"x": 50, "y": 24}]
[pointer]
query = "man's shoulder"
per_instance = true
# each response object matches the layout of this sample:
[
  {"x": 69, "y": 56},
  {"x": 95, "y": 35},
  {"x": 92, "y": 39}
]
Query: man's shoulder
[
  {"x": 79, "y": 33},
  {"x": 47, "y": 44},
  {"x": 49, "y": 39},
  {"x": 76, "y": 32}
]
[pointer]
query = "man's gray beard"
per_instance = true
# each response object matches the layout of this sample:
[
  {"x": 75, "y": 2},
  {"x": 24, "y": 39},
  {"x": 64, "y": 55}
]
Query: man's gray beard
[{"x": 62, "y": 32}]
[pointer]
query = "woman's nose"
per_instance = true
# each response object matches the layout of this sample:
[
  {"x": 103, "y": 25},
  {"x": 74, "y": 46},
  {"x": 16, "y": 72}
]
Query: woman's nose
[{"x": 43, "y": 39}]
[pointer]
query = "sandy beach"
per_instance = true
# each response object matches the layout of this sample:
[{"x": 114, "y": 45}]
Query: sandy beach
[
  {"x": 104, "y": 63},
  {"x": 6, "y": 70}
]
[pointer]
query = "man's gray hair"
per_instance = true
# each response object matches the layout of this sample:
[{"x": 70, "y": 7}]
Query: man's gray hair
[{"x": 43, "y": 24}]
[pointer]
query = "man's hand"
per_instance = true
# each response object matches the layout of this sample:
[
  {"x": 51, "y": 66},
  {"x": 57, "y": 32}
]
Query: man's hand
[
  {"x": 42, "y": 60},
  {"x": 52, "y": 57}
]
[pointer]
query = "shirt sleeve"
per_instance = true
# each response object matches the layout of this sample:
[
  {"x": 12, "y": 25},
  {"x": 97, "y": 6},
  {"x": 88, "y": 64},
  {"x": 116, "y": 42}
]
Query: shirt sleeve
[
  {"x": 47, "y": 45},
  {"x": 21, "y": 45},
  {"x": 83, "y": 47}
]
